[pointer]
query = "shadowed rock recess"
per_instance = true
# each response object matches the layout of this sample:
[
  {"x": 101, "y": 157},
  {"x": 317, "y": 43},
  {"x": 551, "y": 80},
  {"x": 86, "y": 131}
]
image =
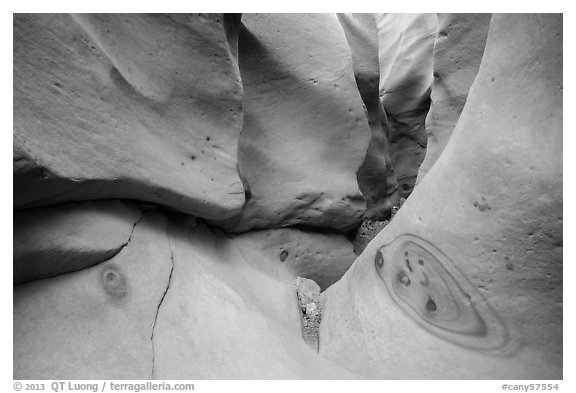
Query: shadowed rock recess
[{"x": 287, "y": 196}]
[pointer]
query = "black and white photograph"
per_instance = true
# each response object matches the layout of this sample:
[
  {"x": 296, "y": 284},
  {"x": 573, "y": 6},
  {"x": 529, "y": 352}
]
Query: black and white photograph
[{"x": 287, "y": 196}]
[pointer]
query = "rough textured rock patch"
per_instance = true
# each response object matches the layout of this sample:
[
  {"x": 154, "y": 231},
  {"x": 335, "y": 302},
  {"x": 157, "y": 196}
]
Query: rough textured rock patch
[
  {"x": 370, "y": 228},
  {"x": 308, "y": 293}
]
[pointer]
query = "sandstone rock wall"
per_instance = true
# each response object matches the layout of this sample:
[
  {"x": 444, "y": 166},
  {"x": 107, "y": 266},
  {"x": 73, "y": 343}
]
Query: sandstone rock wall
[
  {"x": 173, "y": 174},
  {"x": 406, "y": 43},
  {"x": 177, "y": 302},
  {"x": 466, "y": 281},
  {"x": 48, "y": 241},
  {"x": 127, "y": 106},
  {"x": 96, "y": 322},
  {"x": 376, "y": 177},
  {"x": 458, "y": 50},
  {"x": 322, "y": 257},
  {"x": 305, "y": 133}
]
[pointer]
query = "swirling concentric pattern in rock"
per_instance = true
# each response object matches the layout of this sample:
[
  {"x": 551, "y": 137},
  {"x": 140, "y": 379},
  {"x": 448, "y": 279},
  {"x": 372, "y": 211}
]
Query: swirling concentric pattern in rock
[
  {"x": 483, "y": 230},
  {"x": 59, "y": 239},
  {"x": 406, "y": 43},
  {"x": 143, "y": 107},
  {"x": 458, "y": 50},
  {"x": 376, "y": 176},
  {"x": 305, "y": 133}
]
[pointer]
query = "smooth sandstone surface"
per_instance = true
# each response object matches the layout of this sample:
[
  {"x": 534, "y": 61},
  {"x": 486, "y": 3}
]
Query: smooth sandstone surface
[
  {"x": 223, "y": 318},
  {"x": 322, "y": 257},
  {"x": 458, "y": 50},
  {"x": 376, "y": 176},
  {"x": 406, "y": 43},
  {"x": 305, "y": 133},
  {"x": 466, "y": 281},
  {"x": 96, "y": 323},
  {"x": 143, "y": 107},
  {"x": 52, "y": 240},
  {"x": 178, "y": 302}
]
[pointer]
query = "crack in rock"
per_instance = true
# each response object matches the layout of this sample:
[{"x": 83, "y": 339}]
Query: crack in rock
[
  {"x": 161, "y": 301},
  {"x": 114, "y": 253}
]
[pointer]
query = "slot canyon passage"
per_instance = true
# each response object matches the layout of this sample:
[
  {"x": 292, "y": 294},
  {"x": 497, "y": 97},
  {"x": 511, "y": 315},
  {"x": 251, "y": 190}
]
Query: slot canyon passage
[{"x": 287, "y": 196}]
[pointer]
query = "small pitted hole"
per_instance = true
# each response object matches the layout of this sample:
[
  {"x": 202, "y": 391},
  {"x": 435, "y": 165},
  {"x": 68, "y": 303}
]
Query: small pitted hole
[
  {"x": 430, "y": 305},
  {"x": 408, "y": 265},
  {"x": 114, "y": 283},
  {"x": 425, "y": 282},
  {"x": 420, "y": 262},
  {"x": 379, "y": 260},
  {"x": 283, "y": 255},
  {"x": 403, "y": 278},
  {"x": 406, "y": 254}
]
